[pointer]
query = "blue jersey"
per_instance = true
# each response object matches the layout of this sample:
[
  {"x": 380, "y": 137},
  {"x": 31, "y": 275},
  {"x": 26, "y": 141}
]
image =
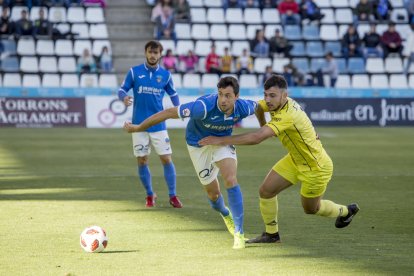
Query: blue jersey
[
  {"x": 206, "y": 118},
  {"x": 149, "y": 86}
]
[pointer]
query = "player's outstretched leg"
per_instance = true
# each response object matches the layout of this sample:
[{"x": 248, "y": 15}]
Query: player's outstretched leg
[
  {"x": 342, "y": 222},
  {"x": 236, "y": 206},
  {"x": 269, "y": 211},
  {"x": 170, "y": 179}
]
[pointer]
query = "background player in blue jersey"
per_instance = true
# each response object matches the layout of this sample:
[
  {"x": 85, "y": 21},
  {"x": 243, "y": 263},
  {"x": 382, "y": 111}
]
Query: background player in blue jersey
[
  {"x": 149, "y": 82},
  {"x": 215, "y": 115}
]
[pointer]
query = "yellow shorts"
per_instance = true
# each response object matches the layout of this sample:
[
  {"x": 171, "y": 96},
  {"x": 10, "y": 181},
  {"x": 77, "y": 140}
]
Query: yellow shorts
[{"x": 314, "y": 182}]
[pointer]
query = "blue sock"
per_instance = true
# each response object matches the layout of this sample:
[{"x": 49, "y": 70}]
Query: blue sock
[
  {"x": 170, "y": 178},
  {"x": 236, "y": 207},
  {"x": 145, "y": 176},
  {"x": 219, "y": 206}
]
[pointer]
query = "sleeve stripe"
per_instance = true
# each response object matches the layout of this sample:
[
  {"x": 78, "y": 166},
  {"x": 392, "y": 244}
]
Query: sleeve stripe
[
  {"x": 122, "y": 90},
  {"x": 175, "y": 94},
  {"x": 178, "y": 111},
  {"x": 132, "y": 73},
  {"x": 205, "y": 109}
]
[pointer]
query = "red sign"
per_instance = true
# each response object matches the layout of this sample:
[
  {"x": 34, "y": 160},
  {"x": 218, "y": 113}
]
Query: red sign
[{"x": 42, "y": 112}]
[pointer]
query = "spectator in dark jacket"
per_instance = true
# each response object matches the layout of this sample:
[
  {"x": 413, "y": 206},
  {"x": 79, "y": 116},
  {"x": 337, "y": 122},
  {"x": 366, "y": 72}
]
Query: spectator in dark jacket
[
  {"x": 363, "y": 11},
  {"x": 42, "y": 26},
  {"x": 372, "y": 43},
  {"x": 182, "y": 11},
  {"x": 351, "y": 43},
  {"x": 279, "y": 44},
  {"x": 166, "y": 24},
  {"x": 259, "y": 46},
  {"x": 391, "y": 40},
  {"x": 310, "y": 10},
  {"x": 24, "y": 26},
  {"x": 6, "y": 27}
]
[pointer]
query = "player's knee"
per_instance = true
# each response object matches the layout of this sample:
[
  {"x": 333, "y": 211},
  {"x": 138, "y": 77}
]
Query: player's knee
[
  {"x": 213, "y": 195},
  {"x": 165, "y": 159},
  {"x": 265, "y": 193},
  {"x": 230, "y": 180},
  {"x": 142, "y": 160}
]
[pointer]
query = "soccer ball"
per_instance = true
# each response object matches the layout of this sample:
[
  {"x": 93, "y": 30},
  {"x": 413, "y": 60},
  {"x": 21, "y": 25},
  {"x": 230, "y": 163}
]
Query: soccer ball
[{"x": 93, "y": 239}]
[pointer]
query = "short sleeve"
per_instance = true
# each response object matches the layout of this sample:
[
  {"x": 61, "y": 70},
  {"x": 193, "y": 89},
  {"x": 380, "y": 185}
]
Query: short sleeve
[
  {"x": 280, "y": 123},
  {"x": 194, "y": 110}
]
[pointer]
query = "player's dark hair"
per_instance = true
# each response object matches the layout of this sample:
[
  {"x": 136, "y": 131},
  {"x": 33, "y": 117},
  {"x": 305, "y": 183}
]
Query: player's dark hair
[
  {"x": 229, "y": 81},
  {"x": 275, "y": 81},
  {"x": 153, "y": 44}
]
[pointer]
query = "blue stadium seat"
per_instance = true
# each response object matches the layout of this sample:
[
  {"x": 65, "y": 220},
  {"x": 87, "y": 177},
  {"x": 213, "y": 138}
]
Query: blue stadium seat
[
  {"x": 341, "y": 65},
  {"x": 310, "y": 32},
  {"x": 317, "y": 63},
  {"x": 292, "y": 32},
  {"x": 334, "y": 47},
  {"x": 298, "y": 49},
  {"x": 314, "y": 49},
  {"x": 356, "y": 66},
  {"x": 302, "y": 64},
  {"x": 10, "y": 64},
  {"x": 9, "y": 46}
]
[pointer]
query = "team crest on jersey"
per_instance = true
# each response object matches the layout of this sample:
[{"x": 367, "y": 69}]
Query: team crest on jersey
[
  {"x": 186, "y": 112},
  {"x": 159, "y": 78}
]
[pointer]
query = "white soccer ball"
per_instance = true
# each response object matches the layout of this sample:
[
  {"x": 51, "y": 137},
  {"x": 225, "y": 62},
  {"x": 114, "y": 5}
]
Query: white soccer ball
[{"x": 93, "y": 239}]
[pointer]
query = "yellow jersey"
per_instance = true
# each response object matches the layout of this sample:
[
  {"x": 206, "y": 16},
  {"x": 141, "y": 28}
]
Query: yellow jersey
[{"x": 295, "y": 130}]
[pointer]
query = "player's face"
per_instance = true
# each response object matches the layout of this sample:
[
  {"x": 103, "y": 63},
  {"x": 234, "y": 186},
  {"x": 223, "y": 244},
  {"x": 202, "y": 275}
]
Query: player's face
[
  {"x": 153, "y": 55},
  {"x": 226, "y": 99},
  {"x": 275, "y": 98}
]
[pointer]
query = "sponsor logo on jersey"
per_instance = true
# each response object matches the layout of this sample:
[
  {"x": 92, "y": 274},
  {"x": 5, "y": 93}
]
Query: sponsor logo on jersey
[
  {"x": 148, "y": 90},
  {"x": 141, "y": 76}
]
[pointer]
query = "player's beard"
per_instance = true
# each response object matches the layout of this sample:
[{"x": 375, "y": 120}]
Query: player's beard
[{"x": 152, "y": 64}]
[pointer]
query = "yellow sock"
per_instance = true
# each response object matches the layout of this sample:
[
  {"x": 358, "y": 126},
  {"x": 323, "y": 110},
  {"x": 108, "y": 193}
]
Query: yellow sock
[
  {"x": 269, "y": 208},
  {"x": 330, "y": 209}
]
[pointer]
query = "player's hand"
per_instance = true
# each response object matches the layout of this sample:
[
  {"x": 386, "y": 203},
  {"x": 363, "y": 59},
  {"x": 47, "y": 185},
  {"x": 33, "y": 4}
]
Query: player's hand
[
  {"x": 128, "y": 100},
  {"x": 129, "y": 127},
  {"x": 210, "y": 140}
]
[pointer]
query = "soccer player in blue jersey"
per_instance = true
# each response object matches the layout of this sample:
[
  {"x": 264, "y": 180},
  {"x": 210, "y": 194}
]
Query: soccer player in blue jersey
[
  {"x": 214, "y": 114},
  {"x": 149, "y": 83}
]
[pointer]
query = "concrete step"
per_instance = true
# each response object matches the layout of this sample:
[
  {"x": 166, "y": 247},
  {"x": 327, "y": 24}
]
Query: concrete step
[
  {"x": 122, "y": 65},
  {"x": 127, "y": 15},
  {"x": 131, "y": 31},
  {"x": 126, "y": 3},
  {"x": 129, "y": 48}
]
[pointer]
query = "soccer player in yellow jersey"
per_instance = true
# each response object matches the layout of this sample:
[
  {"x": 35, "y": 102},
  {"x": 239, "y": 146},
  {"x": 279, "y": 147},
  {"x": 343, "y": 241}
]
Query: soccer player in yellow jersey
[{"x": 306, "y": 162}]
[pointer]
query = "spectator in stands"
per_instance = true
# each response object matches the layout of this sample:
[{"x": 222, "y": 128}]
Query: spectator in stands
[
  {"x": 157, "y": 9},
  {"x": 330, "y": 68},
  {"x": 247, "y": 4},
  {"x": 382, "y": 9},
  {"x": 363, "y": 11},
  {"x": 226, "y": 61},
  {"x": 165, "y": 24},
  {"x": 372, "y": 43},
  {"x": 297, "y": 77},
  {"x": 190, "y": 62},
  {"x": 231, "y": 4},
  {"x": 6, "y": 27},
  {"x": 169, "y": 62},
  {"x": 182, "y": 11},
  {"x": 105, "y": 60},
  {"x": 410, "y": 9},
  {"x": 289, "y": 12},
  {"x": 409, "y": 50},
  {"x": 310, "y": 10},
  {"x": 244, "y": 63},
  {"x": 259, "y": 46},
  {"x": 268, "y": 4},
  {"x": 351, "y": 43},
  {"x": 391, "y": 41},
  {"x": 279, "y": 44},
  {"x": 101, "y": 3},
  {"x": 24, "y": 26},
  {"x": 42, "y": 26},
  {"x": 213, "y": 61},
  {"x": 86, "y": 63},
  {"x": 267, "y": 74}
]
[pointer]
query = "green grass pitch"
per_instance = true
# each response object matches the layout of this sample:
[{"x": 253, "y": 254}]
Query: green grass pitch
[{"x": 56, "y": 182}]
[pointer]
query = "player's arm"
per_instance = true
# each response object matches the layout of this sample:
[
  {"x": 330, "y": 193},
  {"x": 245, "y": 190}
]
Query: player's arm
[
  {"x": 125, "y": 87},
  {"x": 259, "y": 112},
  {"x": 170, "y": 113},
  {"x": 170, "y": 89},
  {"x": 250, "y": 138}
]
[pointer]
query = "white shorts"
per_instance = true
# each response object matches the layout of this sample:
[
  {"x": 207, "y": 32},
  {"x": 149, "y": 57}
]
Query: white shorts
[
  {"x": 204, "y": 160},
  {"x": 142, "y": 141}
]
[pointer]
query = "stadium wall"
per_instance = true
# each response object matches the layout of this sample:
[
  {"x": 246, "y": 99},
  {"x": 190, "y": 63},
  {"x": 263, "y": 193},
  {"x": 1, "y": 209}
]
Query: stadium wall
[{"x": 100, "y": 108}]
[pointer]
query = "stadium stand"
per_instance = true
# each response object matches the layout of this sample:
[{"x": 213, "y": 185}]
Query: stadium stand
[{"x": 51, "y": 60}]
